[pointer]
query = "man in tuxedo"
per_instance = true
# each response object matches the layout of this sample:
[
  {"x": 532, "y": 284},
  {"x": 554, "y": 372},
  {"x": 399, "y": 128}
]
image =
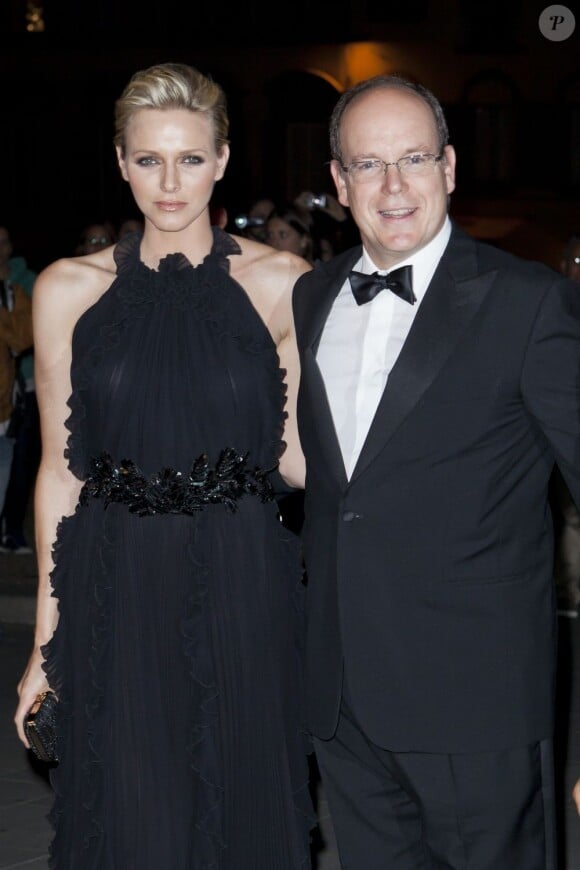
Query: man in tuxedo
[{"x": 432, "y": 408}]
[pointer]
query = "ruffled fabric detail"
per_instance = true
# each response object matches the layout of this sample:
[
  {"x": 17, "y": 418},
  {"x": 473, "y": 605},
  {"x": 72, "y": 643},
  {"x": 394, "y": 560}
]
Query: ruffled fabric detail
[
  {"x": 208, "y": 288},
  {"x": 57, "y": 667},
  {"x": 202, "y": 747},
  {"x": 54, "y": 657}
]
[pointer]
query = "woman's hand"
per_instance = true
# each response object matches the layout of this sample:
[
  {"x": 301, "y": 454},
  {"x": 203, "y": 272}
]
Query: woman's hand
[{"x": 33, "y": 682}]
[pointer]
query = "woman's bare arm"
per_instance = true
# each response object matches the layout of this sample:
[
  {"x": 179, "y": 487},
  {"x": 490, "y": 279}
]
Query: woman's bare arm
[
  {"x": 268, "y": 277},
  {"x": 292, "y": 464},
  {"x": 60, "y": 295}
]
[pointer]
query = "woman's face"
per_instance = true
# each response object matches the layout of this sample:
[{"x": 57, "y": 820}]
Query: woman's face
[
  {"x": 171, "y": 165},
  {"x": 283, "y": 237}
]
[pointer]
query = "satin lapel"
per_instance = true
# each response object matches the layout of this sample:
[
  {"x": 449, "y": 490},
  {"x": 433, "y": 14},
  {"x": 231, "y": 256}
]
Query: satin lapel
[
  {"x": 452, "y": 300},
  {"x": 314, "y": 403},
  {"x": 314, "y": 398}
]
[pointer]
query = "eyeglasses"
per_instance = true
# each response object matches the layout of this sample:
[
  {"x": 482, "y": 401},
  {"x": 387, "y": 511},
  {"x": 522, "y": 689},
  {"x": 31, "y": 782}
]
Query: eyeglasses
[
  {"x": 98, "y": 240},
  {"x": 361, "y": 171}
]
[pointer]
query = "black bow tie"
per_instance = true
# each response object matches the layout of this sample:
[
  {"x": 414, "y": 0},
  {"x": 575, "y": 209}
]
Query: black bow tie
[{"x": 366, "y": 287}]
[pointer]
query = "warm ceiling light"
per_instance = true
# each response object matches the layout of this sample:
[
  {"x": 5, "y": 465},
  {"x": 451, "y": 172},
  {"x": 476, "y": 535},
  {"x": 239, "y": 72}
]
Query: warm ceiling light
[{"x": 34, "y": 19}]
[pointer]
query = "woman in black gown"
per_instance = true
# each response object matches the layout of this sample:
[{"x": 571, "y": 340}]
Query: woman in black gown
[{"x": 169, "y": 614}]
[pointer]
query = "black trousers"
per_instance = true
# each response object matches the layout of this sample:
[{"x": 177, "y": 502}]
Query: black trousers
[{"x": 425, "y": 811}]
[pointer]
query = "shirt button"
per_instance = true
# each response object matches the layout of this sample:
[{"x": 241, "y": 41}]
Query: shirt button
[{"x": 349, "y": 516}]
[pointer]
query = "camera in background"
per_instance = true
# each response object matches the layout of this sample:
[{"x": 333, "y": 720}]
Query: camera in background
[
  {"x": 242, "y": 221},
  {"x": 316, "y": 200}
]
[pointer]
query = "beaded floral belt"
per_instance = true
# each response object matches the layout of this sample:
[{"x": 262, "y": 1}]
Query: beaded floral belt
[{"x": 169, "y": 491}]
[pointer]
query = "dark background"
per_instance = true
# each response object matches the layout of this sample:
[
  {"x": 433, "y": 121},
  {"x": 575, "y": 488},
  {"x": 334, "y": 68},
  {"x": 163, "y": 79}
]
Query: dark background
[{"x": 512, "y": 99}]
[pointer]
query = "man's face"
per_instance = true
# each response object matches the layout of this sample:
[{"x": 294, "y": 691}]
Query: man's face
[{"x": 396, "y": 214}]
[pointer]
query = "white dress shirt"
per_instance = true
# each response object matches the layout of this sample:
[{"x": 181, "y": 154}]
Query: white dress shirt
[{"x": 360, "y": 345}]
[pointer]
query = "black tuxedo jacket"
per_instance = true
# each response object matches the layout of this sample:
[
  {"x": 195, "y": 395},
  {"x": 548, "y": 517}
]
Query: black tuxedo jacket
[{"x": 430, "y": 570}]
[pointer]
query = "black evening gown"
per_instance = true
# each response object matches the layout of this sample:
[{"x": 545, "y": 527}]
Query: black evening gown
[{"x": 178, "y": 650}]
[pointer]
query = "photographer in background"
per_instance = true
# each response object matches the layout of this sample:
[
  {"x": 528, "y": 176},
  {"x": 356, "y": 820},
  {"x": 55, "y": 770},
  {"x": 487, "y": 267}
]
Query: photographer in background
[
  {"x": 25, "y": 425},
  {"x": 328, "y": 222},
  {"x": 15, "y": 337},
  {"x": 570, "y": 262},
  {"x": 95, "y": 237},
  {"x": 286, "y": 229},
  {"x": 252, "y": 224}
]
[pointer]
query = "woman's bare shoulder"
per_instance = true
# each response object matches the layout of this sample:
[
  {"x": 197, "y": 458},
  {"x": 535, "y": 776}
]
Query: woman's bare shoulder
[
  {"x": 72, "y": 284},
  {"x": 264, "y": 268},
  {"x": 268, "y": 277},
  {"x": 62, "y": 292}
]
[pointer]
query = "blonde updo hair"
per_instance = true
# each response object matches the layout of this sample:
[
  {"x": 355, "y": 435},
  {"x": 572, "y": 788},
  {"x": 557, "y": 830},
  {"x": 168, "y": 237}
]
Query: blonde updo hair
[{"x": 172, "y": 86}]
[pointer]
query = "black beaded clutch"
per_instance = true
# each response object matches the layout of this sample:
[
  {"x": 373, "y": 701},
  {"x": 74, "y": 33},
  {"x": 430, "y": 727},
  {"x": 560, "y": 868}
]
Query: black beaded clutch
[{"x": 40, "y": 727}]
